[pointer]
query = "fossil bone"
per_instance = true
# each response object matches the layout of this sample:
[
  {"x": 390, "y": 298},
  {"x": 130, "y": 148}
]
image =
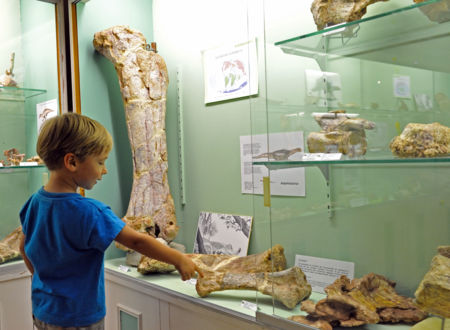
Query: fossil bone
[
  {"x": 288, "y": 286},
  {"x": 370, "y": 299},
  {"x": 9, "y": 246},
  {"x": 433, "y": 293},
  {"x": 340, "y": 133},
  {"x": 6, "y": 79},
  {"x": 143, "y": 82},
  {"x": 221, "y": 263},
  {"x": 330, "y": 12}
]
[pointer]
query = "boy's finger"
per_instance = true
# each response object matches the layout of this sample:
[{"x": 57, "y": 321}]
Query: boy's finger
[{"x": 199, "y": 271}]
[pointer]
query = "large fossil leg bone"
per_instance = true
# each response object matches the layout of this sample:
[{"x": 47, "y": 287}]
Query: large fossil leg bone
[
  {"x": 143, "y": 82},
  {"x": 270, "y": 260},
  {"x": 288, "y": 286}
]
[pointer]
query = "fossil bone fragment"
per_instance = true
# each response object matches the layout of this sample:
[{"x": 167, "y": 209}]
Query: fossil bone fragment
[
  {"x": 13, "y": 157},
  {"x": 370, "y": 299},
  {"x": 422, "y": 140},
  {"x": 331, "y": 12},
  {"x": 9, "y": 246},
  {"x": 340, "y": 133},
  {"x": 7, "y": 80},
  {"x": 288, "y": 286},
  {"x": 143, "y": 80},
  {"x": 433, "y": 293}
]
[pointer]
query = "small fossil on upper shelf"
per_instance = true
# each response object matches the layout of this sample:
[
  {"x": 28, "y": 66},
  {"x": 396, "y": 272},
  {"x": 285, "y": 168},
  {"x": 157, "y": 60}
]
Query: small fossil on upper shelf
[
  {"x": 6, "y": 79},
  {"x": 13, "y": 157},
  {"x": 331, "y": 12}
]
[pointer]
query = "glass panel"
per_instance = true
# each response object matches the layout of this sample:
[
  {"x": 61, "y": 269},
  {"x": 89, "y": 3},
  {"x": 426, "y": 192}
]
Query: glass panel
[
  {"x": 128, "y": 321},
  {"x": 366, "y": 205},
  {"x": 30, "y": 79}
]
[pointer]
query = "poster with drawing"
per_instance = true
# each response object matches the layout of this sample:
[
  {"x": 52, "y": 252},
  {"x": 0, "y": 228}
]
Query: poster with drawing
[
  {"x": 230, "y": 72},
  {"x": 223, "y": 234},
  {"x": 323, "y": 88},
  {"x": 285, "y": 147},
  {"x": 44, "y": 111}
]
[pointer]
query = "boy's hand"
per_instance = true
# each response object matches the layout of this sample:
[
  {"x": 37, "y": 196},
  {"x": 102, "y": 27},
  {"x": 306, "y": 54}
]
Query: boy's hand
[{"x": 187, "y": 268}]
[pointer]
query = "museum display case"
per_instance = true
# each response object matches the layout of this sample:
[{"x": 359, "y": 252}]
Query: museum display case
[
  {"x": 28, "y": 95},
  {"x": 368, "y": 200}
]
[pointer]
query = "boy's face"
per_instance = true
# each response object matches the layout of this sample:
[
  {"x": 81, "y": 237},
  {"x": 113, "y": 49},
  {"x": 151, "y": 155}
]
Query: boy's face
[{"x": 91, "y": 170}]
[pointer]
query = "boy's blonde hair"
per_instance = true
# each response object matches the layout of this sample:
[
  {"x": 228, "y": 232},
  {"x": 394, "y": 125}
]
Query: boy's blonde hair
[{"x": 71, "y": 133}]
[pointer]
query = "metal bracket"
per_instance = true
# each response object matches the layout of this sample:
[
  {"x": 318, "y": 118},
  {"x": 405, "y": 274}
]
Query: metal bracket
[{"x": 325, "y": 169}]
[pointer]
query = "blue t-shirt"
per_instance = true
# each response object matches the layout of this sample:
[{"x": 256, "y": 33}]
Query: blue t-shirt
[{"x": 66, "y": 236}]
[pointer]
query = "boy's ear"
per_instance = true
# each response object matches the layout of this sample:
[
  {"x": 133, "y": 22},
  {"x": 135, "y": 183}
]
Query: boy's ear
[{"x": 70, "y": 161}]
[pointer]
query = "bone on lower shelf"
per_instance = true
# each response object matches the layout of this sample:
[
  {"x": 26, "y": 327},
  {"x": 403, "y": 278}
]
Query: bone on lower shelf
[
  {"x": 253, "y": 272},
  {"x": 370, "y": 299},
  {"x": 143, "y": 82},
  {"x": 288, "y": 286}
]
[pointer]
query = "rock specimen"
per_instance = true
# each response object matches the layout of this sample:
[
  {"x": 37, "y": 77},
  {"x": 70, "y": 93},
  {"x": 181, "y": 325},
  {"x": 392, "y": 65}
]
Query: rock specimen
[
  {"x": 288, "y": 286},
  {"x": 10, "y": 245},
  {"x": 370, "y": 299},
  {"x": 422, "y": 140},
  {"x": 143, "y": 82},
  {"x": 437, "y": 12},
  {"x": 7, "y": 79},
  {"x": 331, "y": 12},
  {"x": 340, "y": 133},
  {"x": 433, "y": 293}
]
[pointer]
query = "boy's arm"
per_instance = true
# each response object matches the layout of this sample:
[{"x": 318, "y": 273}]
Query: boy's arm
[
  {"x": 24, "y": 256},
  {"x": 149, "y": 246}
]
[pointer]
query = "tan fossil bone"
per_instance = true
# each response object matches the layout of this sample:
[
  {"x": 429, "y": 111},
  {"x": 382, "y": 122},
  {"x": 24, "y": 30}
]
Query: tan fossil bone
[
  {"x": 9, "y": 246},
  {"x": 331, "y": 12},
  {"x": 143, "y": 80},
  {"x": 433, "y": 293},
  {"x": 288, "y": 286},
  {"x": 370, "y": 299},
  {"x": 7, "y": 79}
]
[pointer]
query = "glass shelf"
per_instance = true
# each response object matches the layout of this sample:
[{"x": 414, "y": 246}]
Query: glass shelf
[
  {"x": 403, "y": 36},
  {"x": 274, "y": 165},
  {"x": 19, "y": 94},
  {"x": 12, "y": 168}
]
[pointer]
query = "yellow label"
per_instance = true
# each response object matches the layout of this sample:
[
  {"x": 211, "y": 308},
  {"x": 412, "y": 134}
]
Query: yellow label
[
  {"x": 266, "y": 185},
  {"x": 397, "y": 126}
]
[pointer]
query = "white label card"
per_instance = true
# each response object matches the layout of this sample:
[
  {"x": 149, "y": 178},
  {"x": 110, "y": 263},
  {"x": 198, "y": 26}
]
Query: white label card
[
  {"x": 248, "y": 305},
  {"x": 191, "y": 281},
  {"x": 321, "y": 272},
  {"x": 124, "y": 268},
  {"x": 28, "y": 164},
  {"x": 321, "y": 156}
]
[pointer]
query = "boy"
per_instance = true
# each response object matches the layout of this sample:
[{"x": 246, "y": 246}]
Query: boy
[{"x": 65, "y": 234}]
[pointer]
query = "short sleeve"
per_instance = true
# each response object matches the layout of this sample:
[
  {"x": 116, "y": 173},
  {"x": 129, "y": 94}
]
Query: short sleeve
[{"x": 105, "y": 227}]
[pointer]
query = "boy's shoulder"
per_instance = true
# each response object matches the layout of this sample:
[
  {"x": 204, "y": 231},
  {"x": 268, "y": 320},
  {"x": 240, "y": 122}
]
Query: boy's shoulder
[{"x": 83, "y": 202}]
